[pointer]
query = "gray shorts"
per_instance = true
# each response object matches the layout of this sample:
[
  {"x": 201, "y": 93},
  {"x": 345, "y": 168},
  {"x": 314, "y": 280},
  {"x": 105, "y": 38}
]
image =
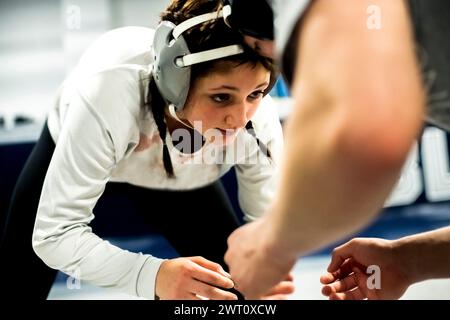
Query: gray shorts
[{"x": 431, "y": 20}]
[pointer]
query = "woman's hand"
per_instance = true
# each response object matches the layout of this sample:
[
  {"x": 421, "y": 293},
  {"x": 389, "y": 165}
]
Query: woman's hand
[{"x": 193, "y": 278}]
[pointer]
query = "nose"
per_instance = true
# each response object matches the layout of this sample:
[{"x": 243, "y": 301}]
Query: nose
[{"x": 237, "y": 118}]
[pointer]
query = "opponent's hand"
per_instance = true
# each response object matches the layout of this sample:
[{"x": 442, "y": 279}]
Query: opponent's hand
[
  {"x": 254, "y": 267},
  {"x": 282, "y": 290},
  {"x": 193, "y": 278},
  {"x": 347, "y": 277}
]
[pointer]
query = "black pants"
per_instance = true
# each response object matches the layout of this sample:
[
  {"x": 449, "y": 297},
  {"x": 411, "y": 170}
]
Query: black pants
[{"x": 195, "y": 222}]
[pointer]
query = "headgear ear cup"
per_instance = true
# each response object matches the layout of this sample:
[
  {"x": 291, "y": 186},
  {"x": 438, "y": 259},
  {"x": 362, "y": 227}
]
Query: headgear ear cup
[
  {"x": 172, "y": 81},
  {"x": 173, "y": 59}
]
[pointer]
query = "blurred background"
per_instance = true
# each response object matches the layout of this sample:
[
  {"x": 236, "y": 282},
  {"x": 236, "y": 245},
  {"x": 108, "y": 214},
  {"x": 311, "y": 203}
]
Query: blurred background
[{"x": 41, "y": 41}]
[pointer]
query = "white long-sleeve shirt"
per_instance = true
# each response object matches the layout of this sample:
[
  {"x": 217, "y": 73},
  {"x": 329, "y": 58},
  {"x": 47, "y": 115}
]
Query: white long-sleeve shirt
[{"x": 103, "y": 132}]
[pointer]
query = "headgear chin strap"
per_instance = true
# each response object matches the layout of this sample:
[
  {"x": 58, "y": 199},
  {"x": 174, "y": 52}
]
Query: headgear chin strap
[{"x": 173, "y": 60}]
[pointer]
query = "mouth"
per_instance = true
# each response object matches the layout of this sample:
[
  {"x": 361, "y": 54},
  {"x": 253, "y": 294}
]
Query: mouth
[{"x": 227, "y": 132}]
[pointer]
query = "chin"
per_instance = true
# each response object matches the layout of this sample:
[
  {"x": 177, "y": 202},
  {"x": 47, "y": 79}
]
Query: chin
[{"x": 218, "y": 137}]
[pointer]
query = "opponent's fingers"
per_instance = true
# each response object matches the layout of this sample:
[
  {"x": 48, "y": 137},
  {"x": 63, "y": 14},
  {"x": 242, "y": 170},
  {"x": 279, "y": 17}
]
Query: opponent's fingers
[
  {"x": 339, "y": 255},
  {"x": 344, "y": 270},
  {"x": 346, "y": 284},
  {"x": 355, "y": 294},
  {"x": 289, "y": 277}
]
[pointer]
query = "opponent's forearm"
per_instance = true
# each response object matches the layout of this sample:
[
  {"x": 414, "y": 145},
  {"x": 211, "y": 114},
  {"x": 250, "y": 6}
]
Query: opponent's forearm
[
  {"x": 327, "y": 190},
  {"x": 426, "y": 255},
  {"x": 358, "y": 107}
]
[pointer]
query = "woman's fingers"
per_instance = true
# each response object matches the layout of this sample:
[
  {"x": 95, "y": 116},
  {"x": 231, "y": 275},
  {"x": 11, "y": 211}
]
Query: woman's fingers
[
  {"x": 209, "y": 265},
  {"x": 205, "y": 290},
  {"x": 186, "y": 279},
  {"x": 210, "y": 277}
]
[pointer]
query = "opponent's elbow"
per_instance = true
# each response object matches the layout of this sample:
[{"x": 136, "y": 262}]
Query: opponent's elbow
[{"x": 379, "y": 131}]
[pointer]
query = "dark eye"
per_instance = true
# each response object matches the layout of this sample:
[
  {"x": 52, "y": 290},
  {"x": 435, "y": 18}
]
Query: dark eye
[
  {"x": 220, "y": 98},
  {"x": 256, "y": 95}
]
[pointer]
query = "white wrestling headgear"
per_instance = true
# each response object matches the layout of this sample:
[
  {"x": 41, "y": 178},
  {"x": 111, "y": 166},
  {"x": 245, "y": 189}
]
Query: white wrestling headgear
[{"x": 173, "y": 60}]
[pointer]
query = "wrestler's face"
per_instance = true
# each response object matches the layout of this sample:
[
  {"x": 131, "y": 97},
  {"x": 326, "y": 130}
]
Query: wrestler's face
[{"x": 226, "y": 100}]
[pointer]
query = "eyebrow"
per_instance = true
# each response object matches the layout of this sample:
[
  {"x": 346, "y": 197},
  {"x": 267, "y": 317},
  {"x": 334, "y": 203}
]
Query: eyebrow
[{"x": 236, "y": 88}]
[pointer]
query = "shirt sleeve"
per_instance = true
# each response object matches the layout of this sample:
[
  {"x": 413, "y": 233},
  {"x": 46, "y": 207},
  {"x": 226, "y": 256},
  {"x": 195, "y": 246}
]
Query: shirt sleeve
[
  {"x": 81, "y": 165},
  {"x": 258, "y": 175}
]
